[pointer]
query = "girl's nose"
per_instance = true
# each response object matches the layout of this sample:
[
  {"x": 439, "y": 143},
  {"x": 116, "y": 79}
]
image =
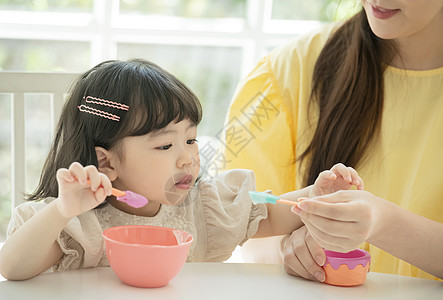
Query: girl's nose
[{"x": 185, "y": 159}]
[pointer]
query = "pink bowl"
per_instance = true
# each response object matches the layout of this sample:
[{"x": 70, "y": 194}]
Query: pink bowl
[{"x": 146, "y": 256}]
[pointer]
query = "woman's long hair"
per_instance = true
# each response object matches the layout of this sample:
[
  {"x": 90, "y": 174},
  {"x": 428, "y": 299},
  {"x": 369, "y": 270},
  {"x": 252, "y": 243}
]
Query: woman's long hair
[
  {"x": 154, "y": 97},
  {"x": 348, "y": 89}
]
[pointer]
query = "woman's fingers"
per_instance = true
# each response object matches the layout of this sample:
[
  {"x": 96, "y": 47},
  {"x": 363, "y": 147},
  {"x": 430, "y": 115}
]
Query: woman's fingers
[
  {"x": 315, "y": 250},
  {"x": 339, "y": 177},
  {"x": 342, "y": 241},
  {"x": 343, "y": 171},
  {"x": 339, "y": 226},
  {"x": 293, "y": 266},
  {"x": 310, "y": 209},
  {"x": 302, "y": 256},
  {"x": 341, "y": 206},
  {"x": 348, "y": 174},
  {"x": 334, "y": 227},
  {"x": 356, "y": 179},
  {"x": 307, "y": 209},
  {"x": 325, "y": 180}
]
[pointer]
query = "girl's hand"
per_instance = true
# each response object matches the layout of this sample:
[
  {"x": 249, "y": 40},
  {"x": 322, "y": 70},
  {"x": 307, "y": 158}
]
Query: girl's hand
[
  {"x": 75, "y": 194},
  {"x": 338, "y": 178},
  {"x": 302, "y": 256},
  {"x": 340, "y": 221}
]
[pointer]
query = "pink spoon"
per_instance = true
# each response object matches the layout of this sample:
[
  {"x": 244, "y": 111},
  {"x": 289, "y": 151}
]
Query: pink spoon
[{"x": 128, "y": 197}]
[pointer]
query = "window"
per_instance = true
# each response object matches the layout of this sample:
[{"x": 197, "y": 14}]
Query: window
[{"x": 208, "y": 44}]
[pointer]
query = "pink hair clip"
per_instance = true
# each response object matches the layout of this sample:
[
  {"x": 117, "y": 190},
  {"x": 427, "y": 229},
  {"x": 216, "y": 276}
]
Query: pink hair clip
[
  {"x": 103, "y": 102},
  {"x": 99, "y": 101},
  {"x": 97, "y": 112}
]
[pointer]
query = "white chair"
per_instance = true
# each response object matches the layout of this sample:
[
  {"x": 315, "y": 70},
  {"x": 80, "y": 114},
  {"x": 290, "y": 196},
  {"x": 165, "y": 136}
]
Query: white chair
[{"x": 18, "y": 84}]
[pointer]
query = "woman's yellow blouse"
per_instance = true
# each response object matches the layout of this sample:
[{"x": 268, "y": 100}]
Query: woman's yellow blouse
[{"x": 269, "y": 124}]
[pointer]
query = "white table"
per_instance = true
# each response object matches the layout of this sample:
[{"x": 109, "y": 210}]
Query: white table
[{"x": 213, "y": 281}]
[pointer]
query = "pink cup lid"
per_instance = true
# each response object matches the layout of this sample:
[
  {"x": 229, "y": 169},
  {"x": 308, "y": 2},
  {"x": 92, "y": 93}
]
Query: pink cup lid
[{"x": 352, "y": 259}]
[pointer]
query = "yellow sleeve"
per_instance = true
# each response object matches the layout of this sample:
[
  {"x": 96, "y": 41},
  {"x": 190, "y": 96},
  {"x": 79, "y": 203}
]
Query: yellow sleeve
[
  {"x": 258, "y": 132},
  {"x": 268, "y": 123}
]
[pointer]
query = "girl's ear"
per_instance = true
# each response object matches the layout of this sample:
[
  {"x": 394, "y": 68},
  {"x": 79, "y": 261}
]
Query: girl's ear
[{"x": 106, "y": 162}]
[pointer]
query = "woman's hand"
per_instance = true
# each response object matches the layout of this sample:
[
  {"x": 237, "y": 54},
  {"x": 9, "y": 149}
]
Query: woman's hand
[
  {"x": 302, "y": 256},
  {"x": 75, "y": 194},
  {"x": 339, "y": 177},
  {"x": 340, "y": 221}
]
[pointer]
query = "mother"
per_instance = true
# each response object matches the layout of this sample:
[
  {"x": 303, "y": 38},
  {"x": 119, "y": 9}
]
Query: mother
[{"x": 368, "y": 93}]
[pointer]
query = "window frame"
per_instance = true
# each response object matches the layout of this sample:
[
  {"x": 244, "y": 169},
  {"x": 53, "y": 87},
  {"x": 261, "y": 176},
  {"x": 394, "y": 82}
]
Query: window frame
[{"x": 104, "y": 28}]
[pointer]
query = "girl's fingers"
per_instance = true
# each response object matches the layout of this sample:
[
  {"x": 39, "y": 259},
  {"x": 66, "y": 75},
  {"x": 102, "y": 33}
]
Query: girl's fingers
[
  {"x": 106, "y": 184},
  {"x": 100, "y": 195},
  {"x": 78, "y": 172},
  {"x": 65, "y": 175},
  {"x": 94, "y": 177}
]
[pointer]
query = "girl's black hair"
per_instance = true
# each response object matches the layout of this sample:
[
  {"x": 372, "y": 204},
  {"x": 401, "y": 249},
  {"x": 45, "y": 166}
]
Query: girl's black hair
[{"x": 155, "y": 98}]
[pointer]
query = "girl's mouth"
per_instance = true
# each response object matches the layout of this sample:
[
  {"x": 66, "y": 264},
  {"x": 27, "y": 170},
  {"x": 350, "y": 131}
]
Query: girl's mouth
[
  {"x": 383, "y": 13},
  {"x": 184, "y": 183}
]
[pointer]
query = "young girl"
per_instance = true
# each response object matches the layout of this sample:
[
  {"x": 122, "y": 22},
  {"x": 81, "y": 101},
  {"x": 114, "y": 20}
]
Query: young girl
[{"x": 134, "y": 125}]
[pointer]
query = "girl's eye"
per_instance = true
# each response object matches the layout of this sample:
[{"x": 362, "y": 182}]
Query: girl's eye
[
  {"x": 191, "y": 141},
  {"x": 165, "y": 147}
]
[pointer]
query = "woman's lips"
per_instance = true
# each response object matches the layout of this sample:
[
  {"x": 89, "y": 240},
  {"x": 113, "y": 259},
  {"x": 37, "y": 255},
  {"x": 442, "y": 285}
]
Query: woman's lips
[
  {"x": 184, "y": 183},
  {"x": 383, "y": 13}
]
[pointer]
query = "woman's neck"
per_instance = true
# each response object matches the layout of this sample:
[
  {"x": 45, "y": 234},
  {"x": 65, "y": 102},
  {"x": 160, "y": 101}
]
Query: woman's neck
[{"x": 423, "y": 50}]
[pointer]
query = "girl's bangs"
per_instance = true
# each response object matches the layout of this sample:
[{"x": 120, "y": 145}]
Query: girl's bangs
[{"x": 153, "y": 110}]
